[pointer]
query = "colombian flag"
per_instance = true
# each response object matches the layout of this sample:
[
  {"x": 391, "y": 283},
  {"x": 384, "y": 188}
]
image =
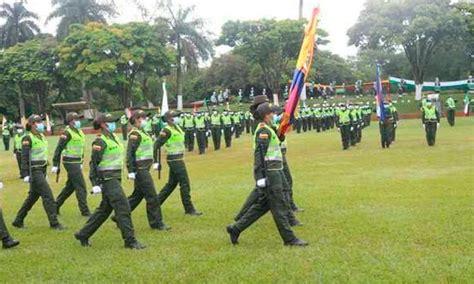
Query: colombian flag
[
  {"x": 379, "y": 94},
  {"x": 303, "y": 66}
]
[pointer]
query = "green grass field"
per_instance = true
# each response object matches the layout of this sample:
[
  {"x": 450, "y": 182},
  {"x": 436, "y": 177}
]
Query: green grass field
[{"x": 371, "y": 215}]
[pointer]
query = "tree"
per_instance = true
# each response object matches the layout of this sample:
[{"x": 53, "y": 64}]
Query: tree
[
  {"x": 30, "y": 68},
  {"x": 79, "y": 12},
  {"x": 269, "y": 43},
  {"x": 111, "y": 57},
  {"x": 228, "y": 71},
  {"x": 19, "y": 24},
  {"x": 188, "y": 36},
  {"x": 416, "y": 26},
  {"x": 330, "y": 67}
]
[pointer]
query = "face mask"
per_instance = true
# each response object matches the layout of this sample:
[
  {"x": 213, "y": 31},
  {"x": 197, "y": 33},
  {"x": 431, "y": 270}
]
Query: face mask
[
  {"x": 77, "y": 124},
  {"x": 111, "y": 126},
  {"x": 276, "y": 119},
  {"x": 176, "y": 120},
  {"x": 40, "y": 127},
  {"x": 143, "y": 123}
]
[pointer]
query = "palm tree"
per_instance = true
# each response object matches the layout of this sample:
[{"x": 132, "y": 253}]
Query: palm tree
[
  {"x": 191, "y": 41},
  {"x": 79, "y": 12},
  {"x": 19, "y": 24}
]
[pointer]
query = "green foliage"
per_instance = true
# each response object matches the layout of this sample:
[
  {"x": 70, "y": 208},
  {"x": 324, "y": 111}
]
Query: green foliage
[
  {"x": 417, "y": 26},
  {"x": 19, "y": 24},
  {"x": 111, "y": 57},
  {"x": 79, "y": 12},
  {"x": 269, "y": 43},
  {"x": 30, "y": 69}
]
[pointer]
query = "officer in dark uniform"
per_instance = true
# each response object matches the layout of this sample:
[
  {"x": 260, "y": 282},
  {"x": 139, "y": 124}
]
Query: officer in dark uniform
[
  {"x": 189, "y": 125},
  {"x": 216, "y": 129},
  {"x": 71, "y": 147},
  {"x": 430, "y": 119},
  {"x": 228, "y": 124},
  {"x": 124, "y": 124},
  {"x": 451, "y": 112},
  {"x": 354, "y": 124},
  {"x": 139, "y": 162},
  {"x": 7, "y": 240},
  {"x": 34, "y": 163},
  {"x": 200, "y": 122},
  {"x": 237, "y": 118},
  {"x": 6, "y": 133},
  {"x": 172, "y": 136},
  {"x": 385, "y": 126},
  {"x": 343, "y": 123},
  {"x": 268, "y": 173},
  {"x": 395, "y": 118},
  {"x": 105, "y": 175},
  {"x": 20, "y": 133}
]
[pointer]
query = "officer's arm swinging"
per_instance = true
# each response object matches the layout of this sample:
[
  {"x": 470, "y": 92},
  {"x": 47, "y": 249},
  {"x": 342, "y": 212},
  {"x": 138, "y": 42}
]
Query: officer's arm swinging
[
  {"x": 262, "y": 142},
  {"x": 162, "y": 138},
  {"x": 133, "y": 143},
  {"x": 63, "y": 140},
  {"x": 25, "y": 156},
  {"x": 98, "y": 149}
]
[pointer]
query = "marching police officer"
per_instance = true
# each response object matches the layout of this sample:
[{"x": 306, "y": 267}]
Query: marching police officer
[
  {"x": 228, "y": 128},
  {"x": 386, "y": 126},
  {"x": 216, "y": 129},
  {"x": 248, "y": 121},
  {"x": 172, "y": 136},
  {"x": 430, "y": 119},
  {"x": 237, "y": 118},
  {"x": 451, "y": 104},
  {"x": 188, "y": 125},
  {"x": 7, "y": 240},
  {"x": 200, "y": 122},
  {"x": 17, "y": 145},
  {"x": 268, "y": 166},
  {"x": 343, "y": 123},
  {"x": 105, "y": 175},
  {"x": 395, "y": 118},
  {"x": 139, "y": 162},
  {"x": 124, "y": 124},
  {"x": 71, "y": 146},
  {"x": 6, "y": 136},
  {"x": 34, "y": 163}
]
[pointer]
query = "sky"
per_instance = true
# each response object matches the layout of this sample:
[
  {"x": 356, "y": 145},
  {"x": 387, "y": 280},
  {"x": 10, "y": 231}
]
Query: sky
[{"x": 337, "y": 16}]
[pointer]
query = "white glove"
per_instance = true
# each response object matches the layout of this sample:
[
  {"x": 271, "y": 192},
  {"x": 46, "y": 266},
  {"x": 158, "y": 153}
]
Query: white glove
[
  {"x": 26, "y": 179},
  {"x": 438, "y": 125},
  {"x": 54, "y": 170},
  {"x": 338, "y": 129},
  {"x": 96, "y": 189},
  {"x": 232, "y": 129},
  {"x": 82, "y": 166},
  {"x": 132, "y": 176},
  {"x": 156, "y": 166},
  {"x": 395, "y": 125},
  {"x": 262, "y": 183},
  {"x": 1, "y": 185},
  {"x": 423, "y": 126},
  {"x": 352, "y": 128}
]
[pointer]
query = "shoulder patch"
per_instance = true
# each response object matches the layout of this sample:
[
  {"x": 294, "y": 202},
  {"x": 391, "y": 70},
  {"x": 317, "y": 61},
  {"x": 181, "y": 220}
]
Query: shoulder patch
[
  {"x": 162, "y": 133},
  {"x": 133, "y": 137},
  {"x": 25, "y": 142},
  {"x": 263, "y": 136},
  {"x": 63, "y": 136},
  {"x": 96, "y": 147}
]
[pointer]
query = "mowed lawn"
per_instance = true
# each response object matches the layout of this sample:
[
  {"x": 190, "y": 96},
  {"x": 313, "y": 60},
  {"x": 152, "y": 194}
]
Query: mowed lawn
[{"x": 371, "y": 215}]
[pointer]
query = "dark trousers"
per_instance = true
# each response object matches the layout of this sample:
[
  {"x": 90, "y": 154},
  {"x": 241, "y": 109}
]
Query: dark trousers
[
  {"x": 228, "y": 136},
  {"x": 18, "y": 160},
  {"x": 451, "y": 116},
  {"x": 189, "y": 139},
  {"x": 201, "y": 140},
  {"x": 144, "y": 188},
  {"x": 6, "y": 142},
  {"x": 385, "y": 134},
  {"x": 345, "y": 135},
  {"x": 216, "y": 137},
  {"x": 394, "y": 131},
  {"x": 178, "y": 175},
  {"x": 75, "y": 183},
  {"x": 39, "y": 187},
  {"x": 247, "y": 126},
  {"x": 359, "y": 133},
  {"x": 113, "y": 199},
  {"x": 124, "y": 131},
  {"x": 353, "y": 134},
  {"x": 237, "y": 130},
  {"x": 289, "y": 180},
  {"x": 298, "y": 125},
  {"x": 3, "y": 228},
  {"x": 430, "y": 129},
  {"x": 305, "y": 124},
  {"x": 270, "y": 199}
]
